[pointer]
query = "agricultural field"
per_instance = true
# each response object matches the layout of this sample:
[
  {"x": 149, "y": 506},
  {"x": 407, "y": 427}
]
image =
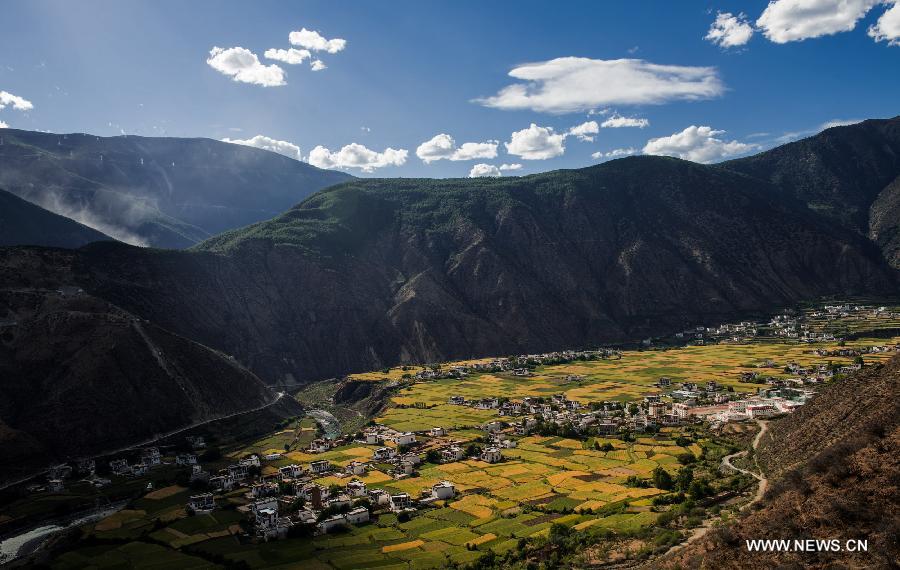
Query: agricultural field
[
  {"x": 630, "y": 378},
  {"x": 595, "y": 485}
]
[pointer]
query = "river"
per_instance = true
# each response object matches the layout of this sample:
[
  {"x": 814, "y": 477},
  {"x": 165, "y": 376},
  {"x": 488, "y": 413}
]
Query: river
[
  {"x": 330, "y": 424},
  {"x": 32, "y": 540}
]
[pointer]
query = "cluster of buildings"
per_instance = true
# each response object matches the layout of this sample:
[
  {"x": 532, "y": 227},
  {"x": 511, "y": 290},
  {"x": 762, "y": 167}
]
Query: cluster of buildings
[{"x": 517, "y": 365}]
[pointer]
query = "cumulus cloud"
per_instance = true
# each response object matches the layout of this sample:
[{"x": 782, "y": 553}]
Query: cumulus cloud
[
  {"x": 442, "y": 146},
  {"x": 618, "y": 122},
  {"x": 481, "y": 170},
  {"x": 570, "y": 84},
  {"x": 317, "y": 65},
  {"x": 291, "y": 56},
  {"x": 513, "y": 166},
  {"x": 615, "y": 153},
  {"x": 242, "y": 65},
  {"x": 3, "y": 125},
  {"x": 355, "y": 155},
  {"x": 585, "y": 131},
  {"x": 18, "y": 103},
  {"x": 887, "y": 28},
  {"x": 729, "y": 31},
  {"x": 266, "y": 143},
  {"x": 698, "y": 144},
  {"x": 795, "y": 20},
  {"x": 536, "y": 143},
  {"x": 314, "y": 41}
]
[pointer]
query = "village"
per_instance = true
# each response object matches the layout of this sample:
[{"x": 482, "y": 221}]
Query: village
[{"x": 576, "y": 436}]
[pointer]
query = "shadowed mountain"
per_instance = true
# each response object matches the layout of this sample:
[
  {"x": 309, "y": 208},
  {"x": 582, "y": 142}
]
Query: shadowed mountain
[
  {"x": 23, "y": 223},
  {"x": 846, "y": 174},
  {"x": 163, "y": 192},
  {"x": 79, "y": 376},
  {"x": 376, "y": 272}
]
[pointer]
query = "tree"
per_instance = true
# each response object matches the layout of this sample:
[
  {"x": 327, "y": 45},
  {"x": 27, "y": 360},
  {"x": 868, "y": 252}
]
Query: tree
[
  {"x": 433, "y": 456},
  {"x": 662, "y": 479},
  {"x": 684, "y": 478}
]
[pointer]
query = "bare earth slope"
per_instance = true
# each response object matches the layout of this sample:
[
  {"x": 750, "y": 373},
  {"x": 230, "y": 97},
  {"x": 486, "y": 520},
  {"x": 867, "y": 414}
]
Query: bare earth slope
[{"x": 833, "y": 469}]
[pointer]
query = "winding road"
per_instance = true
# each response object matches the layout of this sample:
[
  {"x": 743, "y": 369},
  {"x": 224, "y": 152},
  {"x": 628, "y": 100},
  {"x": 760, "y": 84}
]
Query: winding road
[{"x": 763, "y": 481}]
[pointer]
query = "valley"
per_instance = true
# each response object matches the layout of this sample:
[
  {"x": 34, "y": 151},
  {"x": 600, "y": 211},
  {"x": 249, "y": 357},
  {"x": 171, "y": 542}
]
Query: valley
[{"x": 579, "y": 457}]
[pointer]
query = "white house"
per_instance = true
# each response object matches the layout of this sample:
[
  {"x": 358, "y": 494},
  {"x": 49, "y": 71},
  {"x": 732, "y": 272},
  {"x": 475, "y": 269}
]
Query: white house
[
  {"x": 151, "y": 456},
  {"x": 357, "y": 488},
  {"x": 405, "y": 438},
  {"x": 400, "y": 502},
  {"x": 252, "y": 461},
  {"x": 355, "y": 468},
  {"x": 491, "y": 455},
  {"x": 443, "y": 490},
  {"x": 384, "y": 454},
  {"x": 291, "y": 471},
  {"x": 451, "y": 454},
  {"x": 321, "y": 466},
  {"x": 379, "y": 497},
  {"x": 438, "y": 432},
  {"x": 202, "y": 503},
  {"x": 358, "y": 515},
  {"x": 327, "y": 525},
  {"x": 186, "y": 459}
]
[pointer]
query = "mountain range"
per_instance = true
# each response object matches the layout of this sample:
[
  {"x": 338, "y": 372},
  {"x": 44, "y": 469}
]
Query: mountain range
[
  {"x": 157, "y": 191},
  {"x": 371, "y": 273}
]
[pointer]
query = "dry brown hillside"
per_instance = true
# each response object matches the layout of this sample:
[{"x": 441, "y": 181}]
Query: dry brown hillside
[{"x": 834, "y": 471}]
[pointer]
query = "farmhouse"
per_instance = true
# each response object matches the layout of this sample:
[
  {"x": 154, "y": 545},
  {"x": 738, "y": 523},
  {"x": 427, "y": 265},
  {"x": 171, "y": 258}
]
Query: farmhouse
[
  {"x": 203, "y": 503},
  {"x": 384, "y": 454},
  {"x": 320, "y": 467},
  {"x": 406, "y": 438},
  {"x": 443, "y": 490},
  {"x": 491, "y": 455},
  {"x": 400, "y": 502},
  {"x": 327, "y": 525},
  {"x": 451, "y": 454},
  {"x": 186, "y": 459},
  {"x": 358, "y": 515},
  {"x": 355, "y": 468}
]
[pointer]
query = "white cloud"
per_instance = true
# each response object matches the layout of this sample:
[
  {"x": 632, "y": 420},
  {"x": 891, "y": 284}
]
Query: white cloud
[
  {"x": 570, "y": 84},
  {"x": 443, "y": 146},
  {"x": 887, "y": 28},
  {"x": 243, "y": 65},
  {"x": 618, "y": 122},
  {"x": 536, "y": 143},
  {"x": 291, "y": 56},
  {"x": 585, "y": 131},
  {"x": 838, "y": 123},
  {"x": 615, "y": 153},
  {"x": 266, "y": 143},
  {"x": 313, "y": 40},
  {"x": 513, "y": 166},
  {"x": 3, "y": 125},
  {"x": 481, "y": 170},
  {"x": 18, "y": 103},
  {"x": 355, "y": 155},
  {"x": 729, "y": 30},
  {"x": 794, "y": 20},
  {"x": 698, "y": 144},
  {"x": 317, "y": 65}
]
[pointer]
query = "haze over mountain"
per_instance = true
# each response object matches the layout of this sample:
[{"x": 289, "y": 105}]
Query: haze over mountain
[
  {"x": 23, "y": 223},
  {"x": 163, "y": 192}
]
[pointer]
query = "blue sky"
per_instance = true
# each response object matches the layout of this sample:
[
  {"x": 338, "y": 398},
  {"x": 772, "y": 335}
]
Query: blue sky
[{"x": 409, "y": 71}]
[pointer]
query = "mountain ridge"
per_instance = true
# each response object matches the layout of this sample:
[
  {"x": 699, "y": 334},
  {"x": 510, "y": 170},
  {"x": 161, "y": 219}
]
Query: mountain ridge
[{"x": 158, "y": 191}]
